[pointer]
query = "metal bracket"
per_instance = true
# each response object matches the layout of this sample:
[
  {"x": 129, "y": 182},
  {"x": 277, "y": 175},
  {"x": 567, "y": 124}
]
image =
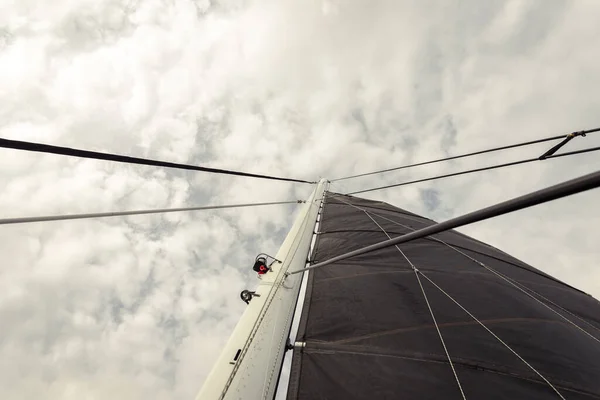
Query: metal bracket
[
  {"x": 267, "y": 257},
  {"x": 247, "y": 295},
  {"x": 566, "y": 140},
  {"x": 296, "y": 345}
]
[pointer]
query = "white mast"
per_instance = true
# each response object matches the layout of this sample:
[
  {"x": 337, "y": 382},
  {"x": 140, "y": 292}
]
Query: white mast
[{"x": 249, "y": 365}]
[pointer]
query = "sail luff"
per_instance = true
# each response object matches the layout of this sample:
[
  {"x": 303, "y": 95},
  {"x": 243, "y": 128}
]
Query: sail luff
[{"x": 283, "y": 378}]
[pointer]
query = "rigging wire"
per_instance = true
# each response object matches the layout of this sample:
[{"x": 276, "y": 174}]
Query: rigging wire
[
  {"x": 419, "y": 272},
  {"x": 570, "y": 187},
  {"x": 513, "y": 282},
  {"x": 493, "y": 334},
  {"x": 502, "y": 276},
  {"x": 67, "y": 151},
  {"x": 516, "y": 284},
  {"x": 416, "y": 271},
  {"x": 433, "y": 238},
  {"x": 566, "y": 138},
  {"x": 21, "y": 220},
  {"x": 470, "y": 171}
]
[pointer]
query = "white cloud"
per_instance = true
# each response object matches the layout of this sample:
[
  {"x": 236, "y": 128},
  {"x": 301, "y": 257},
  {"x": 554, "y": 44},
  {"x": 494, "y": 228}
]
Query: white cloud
[{"x": 138, "y": 307}]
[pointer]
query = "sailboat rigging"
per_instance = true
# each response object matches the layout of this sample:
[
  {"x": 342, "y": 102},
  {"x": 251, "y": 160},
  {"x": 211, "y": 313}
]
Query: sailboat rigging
[
  {"x": 427, "y": 313},
  {"x": 396, "y": 305}
]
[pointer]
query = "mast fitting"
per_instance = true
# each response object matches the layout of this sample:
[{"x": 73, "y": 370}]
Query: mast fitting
[{"x": 566, "y": 140}]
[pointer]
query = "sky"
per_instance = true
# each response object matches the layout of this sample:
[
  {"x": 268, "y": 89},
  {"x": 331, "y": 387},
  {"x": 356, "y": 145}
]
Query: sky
[{"x": 138, "y": 307}]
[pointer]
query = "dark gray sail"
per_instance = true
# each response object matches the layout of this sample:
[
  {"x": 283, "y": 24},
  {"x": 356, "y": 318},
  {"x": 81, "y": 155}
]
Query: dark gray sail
[{"x": 442, "y": 317}]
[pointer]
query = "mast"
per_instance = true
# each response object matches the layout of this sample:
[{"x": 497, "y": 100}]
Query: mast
[{"x": 249, "y": 364}]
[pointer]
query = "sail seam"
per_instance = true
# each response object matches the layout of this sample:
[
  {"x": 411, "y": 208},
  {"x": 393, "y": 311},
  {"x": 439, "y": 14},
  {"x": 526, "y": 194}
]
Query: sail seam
[
  {"x": 517, "y": 285},
  {"x": 449, "y": 324},
  {"x": 431, "y": 238},
  {"x": 514, "y": 283},
  {"x": 414, "y": 217},
  {"x": 454, "y": 247},
  {"x": 539, "y": 273},
  {"x": 458, "y": 361}
]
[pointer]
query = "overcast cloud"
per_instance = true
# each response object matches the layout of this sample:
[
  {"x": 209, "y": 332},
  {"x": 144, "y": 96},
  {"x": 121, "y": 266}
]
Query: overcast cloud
[{"x": 138, "y": 307}]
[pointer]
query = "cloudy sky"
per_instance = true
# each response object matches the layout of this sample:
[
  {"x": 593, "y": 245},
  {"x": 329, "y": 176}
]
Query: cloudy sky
[{"x": 138, "y": 307}]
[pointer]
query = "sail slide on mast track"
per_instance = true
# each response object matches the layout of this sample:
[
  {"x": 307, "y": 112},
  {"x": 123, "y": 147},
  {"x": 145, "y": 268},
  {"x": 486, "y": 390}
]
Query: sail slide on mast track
[{"x": 444, "y": 316}]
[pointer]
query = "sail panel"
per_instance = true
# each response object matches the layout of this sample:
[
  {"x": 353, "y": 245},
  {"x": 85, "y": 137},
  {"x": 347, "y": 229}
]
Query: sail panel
[{"x": 369, "y": 333}]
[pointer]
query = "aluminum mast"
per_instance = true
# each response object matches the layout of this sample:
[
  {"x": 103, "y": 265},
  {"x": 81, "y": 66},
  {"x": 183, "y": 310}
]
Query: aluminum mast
[{"x": 249, "y": 365}]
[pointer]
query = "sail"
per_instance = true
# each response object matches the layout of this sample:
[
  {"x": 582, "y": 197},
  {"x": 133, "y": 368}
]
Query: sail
[{"x": 441, "y": 317}]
